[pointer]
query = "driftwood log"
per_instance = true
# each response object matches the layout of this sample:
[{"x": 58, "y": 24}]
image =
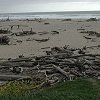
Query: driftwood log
[
  {"x": 13, "y": 77},
  {"x": 61, "y": 71}
]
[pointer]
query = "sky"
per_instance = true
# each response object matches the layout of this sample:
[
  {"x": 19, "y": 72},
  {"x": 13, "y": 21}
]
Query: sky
[{"x": 13, "y": 6}]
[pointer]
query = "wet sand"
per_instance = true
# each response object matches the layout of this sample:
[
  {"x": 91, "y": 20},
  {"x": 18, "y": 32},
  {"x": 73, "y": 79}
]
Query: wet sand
[{"x": 68, "y": 35}]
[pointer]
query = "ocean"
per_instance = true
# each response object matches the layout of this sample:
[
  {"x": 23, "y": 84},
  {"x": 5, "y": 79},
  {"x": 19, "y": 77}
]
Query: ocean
[{"x": 52, "y": 15}]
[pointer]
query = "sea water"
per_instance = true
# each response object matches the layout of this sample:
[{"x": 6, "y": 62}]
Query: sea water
[{"x": 52, "y": 15}]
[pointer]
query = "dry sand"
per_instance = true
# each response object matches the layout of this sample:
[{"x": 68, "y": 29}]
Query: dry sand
[{"x": 68, "y": 35}]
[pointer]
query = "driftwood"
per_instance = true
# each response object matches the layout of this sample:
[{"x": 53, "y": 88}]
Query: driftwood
[
  {"x": 92, "y": 55},
  {"x": 20, "y": 60},
  {"x": 41, "y": 40},
  {"x": 62, "y": 63},
  {"x": 45, "y": 48},
  {"x": 92, "y": 19},
  {"x": 95, "y": 46},
  {"x": 17, "y": 70},
  {"x": 81, "y": 51},
  {"x": 80, "y": 29},
  {"x": 38, "y": 40},
  {"x": 61, "y": 71},
  {"x": 54, "y": 32},
  {"x": 46, "y": 23},
  {"x": 4, "y": 40},
  {"x": 24, "y": 33},
  {"x": 12, "y": 77},
  {"x": 87, "y": 37},
  {"x": 93, "y": 33},
  {"x": 64, "y": 55},
  {"x": 4, "y": 31}
]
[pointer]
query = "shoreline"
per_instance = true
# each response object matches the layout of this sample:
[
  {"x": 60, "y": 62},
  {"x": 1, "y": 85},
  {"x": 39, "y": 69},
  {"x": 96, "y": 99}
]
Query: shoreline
[{"x": 55, "y": 15}]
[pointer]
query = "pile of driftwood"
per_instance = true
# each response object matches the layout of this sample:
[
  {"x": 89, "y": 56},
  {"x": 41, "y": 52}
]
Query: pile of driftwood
[
  {"x": 24, "y": 33},
  {"x": 92, "y": 19},
  {"x": 91, "y": 33},
  {"x": 4, "y": 31},
  {"x": 4, "y": 40},
  {"x": 59, "y": 64}
]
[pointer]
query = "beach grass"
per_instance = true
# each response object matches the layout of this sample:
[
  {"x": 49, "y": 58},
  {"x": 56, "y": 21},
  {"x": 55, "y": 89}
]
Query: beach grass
[{"x": 81, "y": 89}]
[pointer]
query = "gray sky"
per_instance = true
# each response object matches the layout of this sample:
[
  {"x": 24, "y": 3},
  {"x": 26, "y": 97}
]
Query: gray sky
[{"x": 48, "y": 5}]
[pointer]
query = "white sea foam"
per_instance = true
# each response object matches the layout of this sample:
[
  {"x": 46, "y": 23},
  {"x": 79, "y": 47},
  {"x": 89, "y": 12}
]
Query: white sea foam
[{"x": 51, "y": 15}]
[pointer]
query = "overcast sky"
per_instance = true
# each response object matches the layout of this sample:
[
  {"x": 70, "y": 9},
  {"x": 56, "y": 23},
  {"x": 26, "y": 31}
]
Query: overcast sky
[{"x": 10, "y": 6}]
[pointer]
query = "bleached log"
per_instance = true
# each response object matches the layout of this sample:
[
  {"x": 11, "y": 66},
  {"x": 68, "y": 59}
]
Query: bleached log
[{"x": 61, "y": 71}]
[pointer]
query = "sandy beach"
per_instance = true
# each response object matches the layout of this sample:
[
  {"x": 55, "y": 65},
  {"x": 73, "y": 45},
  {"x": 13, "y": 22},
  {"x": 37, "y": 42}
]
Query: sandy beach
[
  {"x": 69, "y": 33},
  {"x": 49, "y": 50}
]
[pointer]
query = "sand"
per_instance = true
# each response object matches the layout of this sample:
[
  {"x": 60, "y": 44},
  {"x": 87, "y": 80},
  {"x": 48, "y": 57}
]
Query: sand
[{"x": 68, "y": 35}]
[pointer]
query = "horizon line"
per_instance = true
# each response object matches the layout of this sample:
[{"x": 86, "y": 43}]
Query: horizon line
[{"x": 50, "y": 11}]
